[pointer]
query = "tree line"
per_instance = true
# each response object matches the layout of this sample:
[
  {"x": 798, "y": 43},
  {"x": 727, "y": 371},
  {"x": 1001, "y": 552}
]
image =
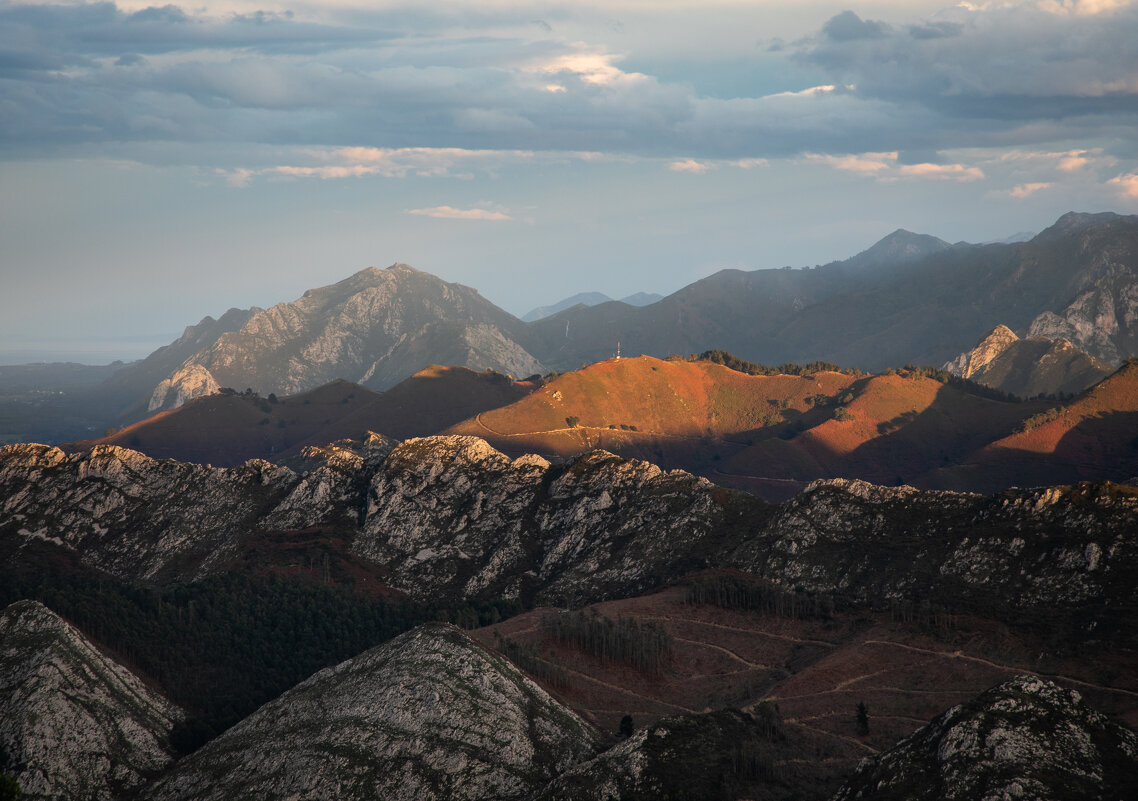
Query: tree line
[{"x": 644, "y": 645}]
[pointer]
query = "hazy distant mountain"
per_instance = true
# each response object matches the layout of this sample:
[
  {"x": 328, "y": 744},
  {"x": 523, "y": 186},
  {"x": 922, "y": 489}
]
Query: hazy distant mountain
[
  {"x": 375, "y": 328},
  {"x": 1028, "y": 367},
  {"x": 907, "y": 299},
  {"x": 588, "y": 299}
]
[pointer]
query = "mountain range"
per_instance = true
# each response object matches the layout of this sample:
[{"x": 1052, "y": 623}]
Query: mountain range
[
  {"x": 909, "y": 299},
  {"x": 737, "y": 636},
  {"x": 387, "y": 540}
]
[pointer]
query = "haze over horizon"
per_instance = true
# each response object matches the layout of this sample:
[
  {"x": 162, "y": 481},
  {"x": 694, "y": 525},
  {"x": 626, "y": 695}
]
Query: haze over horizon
[{"x": 162, "y": 164}]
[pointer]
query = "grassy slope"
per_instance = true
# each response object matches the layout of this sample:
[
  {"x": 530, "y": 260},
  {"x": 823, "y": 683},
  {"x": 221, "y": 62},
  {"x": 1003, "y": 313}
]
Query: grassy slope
[
  {"x": 817, "y": 671},
  {"x": 1094, "y": 436},
  {"x": 227, "y": 430}
]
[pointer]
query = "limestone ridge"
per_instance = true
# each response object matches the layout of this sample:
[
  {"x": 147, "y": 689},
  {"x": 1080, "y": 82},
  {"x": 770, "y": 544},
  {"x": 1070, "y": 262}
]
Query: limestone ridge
[
  {"x": 987, "y": 350},
  {"x": 427, "y": 715},
  {"x": 132, "y": 516},
  {"x": 451, "y": 519},
  {"x": 1025, "y": 738},
  {"x": 73, "y": 723},
  {"x": 374, "y": 328},
  {"x": 1028, "y": 367}
]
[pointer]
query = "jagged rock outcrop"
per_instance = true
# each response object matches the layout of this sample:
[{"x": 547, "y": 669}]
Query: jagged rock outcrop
[
  {"x": 1026, "y": 738},
  {"x": 375, "y": 328},
  {"x": 73, "y": 723},
  {"x": 186, "y": 383},
  {"x": 428, "y": 715},
  {"x": 1028, "y": 367},
  {"x": 723, "y": 754},
  {"x": 135, "y": 517},
  {"x": 987, "y": 350},
  {"x": 452, "y": 517},
  {"x": 1049, "y": 549}
]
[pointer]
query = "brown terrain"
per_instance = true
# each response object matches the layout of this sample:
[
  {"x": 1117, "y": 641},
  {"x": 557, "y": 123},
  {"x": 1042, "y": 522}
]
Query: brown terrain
[
  {"x": 816, "y": 671},
  {"x": 770, "y": 435},
  {"x": 230, "y": 428}
]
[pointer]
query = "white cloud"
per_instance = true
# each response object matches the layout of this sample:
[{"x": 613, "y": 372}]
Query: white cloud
[
  {"x": 689, "y": 165},
  {"x": 1127, "y": 184},
  {"x": 952, "y": 172},
  {"x": 451, "y": 213},
  {"x": 863, "y": 164},
  {"x": 1026, "y": 190}
]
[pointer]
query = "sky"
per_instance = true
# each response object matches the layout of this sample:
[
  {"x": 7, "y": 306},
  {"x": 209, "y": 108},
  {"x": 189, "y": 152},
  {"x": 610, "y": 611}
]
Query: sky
[{"x": 163, "y": 163}]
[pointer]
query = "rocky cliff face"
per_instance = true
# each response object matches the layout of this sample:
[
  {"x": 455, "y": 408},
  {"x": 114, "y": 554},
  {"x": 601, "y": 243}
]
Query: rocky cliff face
[
  {"x": 428, "y": 715},
  {"x": 1026, "y": 738},
  {"x": 138, "y": 518},
  {"x": 1042, "y": 549},
  {"x": 73, "y": 723},
  {"x": 375, "y": 328},
  {"x": 1028, "y": 367},
  {"x": 452, "y": 519}
]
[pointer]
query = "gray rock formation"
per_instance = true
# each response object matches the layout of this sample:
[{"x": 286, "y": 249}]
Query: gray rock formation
[
  {"x": 449, "y": 519},
  {"x": 1026, "y": 738},
  {"x": 1028, "y": 367},
  {"x": 73, "y": 723},
  {"x": 137, "y": 518},
  {"x": 452, "y": 517},
  {"x": 1040, "y": 549},
  {"x": 375, "y": 328},
  {"x": 428, "y": 715}
]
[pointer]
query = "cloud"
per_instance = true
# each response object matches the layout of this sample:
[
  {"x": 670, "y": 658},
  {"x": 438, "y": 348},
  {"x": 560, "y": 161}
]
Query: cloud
[
  {"x": 863, "y": 164},
  {"x": 848, "y": 26},
  {"x": 689, "y": 165},
  {"x": 952, "y": 172},
  {"x": 1025, "y": 190},
  {"x": 887, "y": 167},
  {"x": 1127, "y": 184},
  {"x": 451, "y": 213},
  {"x": 240, "y": 89}
]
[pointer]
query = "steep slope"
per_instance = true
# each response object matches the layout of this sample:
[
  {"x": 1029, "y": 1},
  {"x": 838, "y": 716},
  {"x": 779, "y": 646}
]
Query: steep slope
[
  {"x": 769, "y": 434},
  {"x": 1093, "y": 436},
  {"x": 724, "y": 754},
  {"x": 374, "y": 328},
  {"x": 451, "y": 517},
  {"x": 134, "y": 387},
  {"x": 1074, "y": 547},
  {"x": 132, "y": 516},
  {"x": 428, "y": 715},
  {"x": 228, "y": 429},
  {"x": 73, "y": 723},
  {"x": 1028, "y": 367},
  {"x": 1026, "y": 738},
  {"x": 905, "y": 300}
]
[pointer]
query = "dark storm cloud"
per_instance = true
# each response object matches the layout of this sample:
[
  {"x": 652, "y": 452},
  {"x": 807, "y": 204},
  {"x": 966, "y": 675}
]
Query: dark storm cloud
[
  {"x": 848, "y": 26},
  {"x": 1017, "y": 64}
]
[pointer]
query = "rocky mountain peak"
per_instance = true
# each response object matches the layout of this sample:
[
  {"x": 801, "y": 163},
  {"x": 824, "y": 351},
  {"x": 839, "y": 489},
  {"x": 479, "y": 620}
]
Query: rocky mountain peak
[
  {"x": 74, "y": 723},
  {"x": 987, "y": 350},
  {"x": 899, "y": 247},
  {"x": 1025, "y": 738},
  {"x": 375, "y": 327},
  {"x": 427, "y": 715}
]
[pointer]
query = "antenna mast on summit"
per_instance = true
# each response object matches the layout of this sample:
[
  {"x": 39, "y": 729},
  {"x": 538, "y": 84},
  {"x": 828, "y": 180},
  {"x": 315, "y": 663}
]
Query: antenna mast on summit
[{"x": 618, "y": 350}]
